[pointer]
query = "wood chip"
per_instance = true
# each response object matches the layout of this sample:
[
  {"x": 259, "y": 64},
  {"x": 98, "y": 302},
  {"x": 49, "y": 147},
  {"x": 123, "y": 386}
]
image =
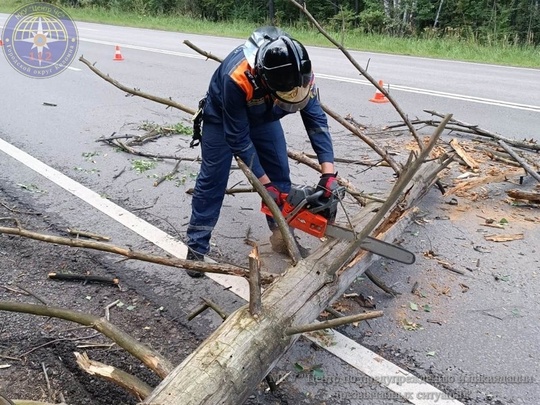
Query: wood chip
[
  {"x": 504, "y": 238},
  {"x": 469, "y": 161}
]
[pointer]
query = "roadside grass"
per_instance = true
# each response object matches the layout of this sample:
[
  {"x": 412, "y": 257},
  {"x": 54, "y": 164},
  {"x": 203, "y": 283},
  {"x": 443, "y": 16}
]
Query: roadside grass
[{"x": 443, "y": 48}]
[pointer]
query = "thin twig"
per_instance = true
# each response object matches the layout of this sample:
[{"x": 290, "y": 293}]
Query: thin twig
[
  {"x": 168, "y": 175},
  {"x": 33, "y": 295},
  {"x": 216, "y": 308},
  {"x": 381, "y": 284},
  {"x": 47, "y": 379}
]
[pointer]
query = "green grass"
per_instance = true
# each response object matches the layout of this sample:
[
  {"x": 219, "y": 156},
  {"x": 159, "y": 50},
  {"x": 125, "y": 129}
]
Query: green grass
[{"x": 448, "y": 48}]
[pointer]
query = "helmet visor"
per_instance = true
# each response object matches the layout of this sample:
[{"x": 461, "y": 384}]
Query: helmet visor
[{"x": 297, "y": 98}]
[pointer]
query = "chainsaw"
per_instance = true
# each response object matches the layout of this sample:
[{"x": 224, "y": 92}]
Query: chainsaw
[{"x": 306, "y": 209}]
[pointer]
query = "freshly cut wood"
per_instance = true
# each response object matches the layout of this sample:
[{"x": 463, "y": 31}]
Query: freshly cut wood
[
  {"x": 131, "y": 383},
  {"x": 504, "y": 238},
  {"x": 470, "y": 184},
  {"x": 469, "y": 161},
  {"x": 524, "y": 195}
]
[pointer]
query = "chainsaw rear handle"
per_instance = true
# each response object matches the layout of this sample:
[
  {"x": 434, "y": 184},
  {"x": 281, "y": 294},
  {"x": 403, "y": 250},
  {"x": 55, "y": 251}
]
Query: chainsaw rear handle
[
  {"x": 314, "y": 198},
  {"x": 315, "y": 203}
]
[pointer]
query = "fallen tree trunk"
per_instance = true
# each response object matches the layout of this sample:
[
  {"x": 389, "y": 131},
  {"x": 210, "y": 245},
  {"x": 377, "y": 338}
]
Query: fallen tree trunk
[{"x": 243, "y": 350}]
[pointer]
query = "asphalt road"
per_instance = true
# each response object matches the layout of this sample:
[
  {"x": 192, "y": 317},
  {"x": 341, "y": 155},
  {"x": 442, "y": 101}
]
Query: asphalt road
[{"x": 501, "y": 99}]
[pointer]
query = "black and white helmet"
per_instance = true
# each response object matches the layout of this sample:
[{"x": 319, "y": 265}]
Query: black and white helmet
[{"x": 284, "y": 66}]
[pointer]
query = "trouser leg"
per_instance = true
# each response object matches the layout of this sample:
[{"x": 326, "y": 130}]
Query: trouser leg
[
  {"x": 210, "y": 188},
  {"x": 269, "y": 141}
]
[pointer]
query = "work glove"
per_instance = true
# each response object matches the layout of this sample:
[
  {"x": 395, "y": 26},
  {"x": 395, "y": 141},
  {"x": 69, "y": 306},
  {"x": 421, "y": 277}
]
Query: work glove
[
  {"x": 328, "y": 183},
  {"x": 274, "y": 193}
]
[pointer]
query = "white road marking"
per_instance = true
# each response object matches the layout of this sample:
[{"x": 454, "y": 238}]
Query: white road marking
[
  {"x": 144, "y": 48},
  {"x": 406, "y": 89},
  {"x": 386, "y": 373}
]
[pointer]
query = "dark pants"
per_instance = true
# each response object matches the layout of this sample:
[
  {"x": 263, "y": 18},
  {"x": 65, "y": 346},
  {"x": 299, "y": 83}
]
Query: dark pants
[{"x": 269, "y": 141}]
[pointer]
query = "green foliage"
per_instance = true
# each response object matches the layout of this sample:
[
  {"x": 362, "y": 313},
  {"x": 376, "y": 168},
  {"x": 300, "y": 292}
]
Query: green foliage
[
  {"x": 373, "y": 21},
  {"x": 493, "y": 31}
]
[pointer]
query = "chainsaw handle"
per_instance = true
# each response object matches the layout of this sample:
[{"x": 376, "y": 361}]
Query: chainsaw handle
[{"x": 313, "y": 198}]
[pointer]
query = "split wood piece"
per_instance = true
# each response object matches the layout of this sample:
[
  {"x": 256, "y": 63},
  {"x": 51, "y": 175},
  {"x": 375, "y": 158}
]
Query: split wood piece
[
  {"x": 239, "y": 354},
  {"x": 524, "y": 195},
  {"x": 332, "y": 323},
  {"x": 521, "y": 161},
  {"x": 134, "y": 385},
  {"x": 484, "y": 132},
  {"x": 134, "y": 254},
  {"x": 152, "y": 359},
  {"x": 255, "y": 305},
  {"x": 504, "y": 238},
  {"x": 82, "y": 277},
  {"x": 469, "y": 161},
  {"x": 470, "y": 184},
  {"x": 288, "y": 238},
  {"x": 77, "y": 233}
]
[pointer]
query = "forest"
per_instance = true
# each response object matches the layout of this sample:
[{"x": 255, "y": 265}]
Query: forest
[{"x": 487, "y": 22}]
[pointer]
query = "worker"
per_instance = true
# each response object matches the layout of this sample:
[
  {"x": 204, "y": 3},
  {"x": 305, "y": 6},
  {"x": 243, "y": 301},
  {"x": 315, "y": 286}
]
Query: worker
[{"x": 257, "y": 84}]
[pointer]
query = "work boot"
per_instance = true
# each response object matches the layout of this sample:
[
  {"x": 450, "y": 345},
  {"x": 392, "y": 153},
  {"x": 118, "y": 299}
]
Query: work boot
[
  {"x": 278, "y": 244},
  {"x": 197, "y": 257},
  {"x": 277, "y": 241}
]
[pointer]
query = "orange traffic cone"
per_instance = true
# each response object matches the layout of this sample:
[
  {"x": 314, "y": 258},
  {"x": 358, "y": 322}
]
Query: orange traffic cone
[
  {"x": 118, "y": 55},
  {"x": 379, "y": 97}
]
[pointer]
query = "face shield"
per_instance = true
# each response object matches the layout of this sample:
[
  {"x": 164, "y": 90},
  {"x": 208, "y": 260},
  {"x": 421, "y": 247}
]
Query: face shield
[{"x": 297, "y": 98}]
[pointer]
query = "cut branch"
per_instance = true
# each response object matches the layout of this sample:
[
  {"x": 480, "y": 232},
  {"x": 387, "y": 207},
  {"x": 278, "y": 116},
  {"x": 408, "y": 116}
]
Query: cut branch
[
  {"x": 518, "y": 159},
  {"x": 483, "y": 132},
  {"x": 166, "y": 101},
  {"x": 134, "y": 385},
  {"x": 344, "y": 320},
  {"x": 134, "y": 254},
  {"x": 152, "y": 359},
  {"x": 524, "y": 195}
]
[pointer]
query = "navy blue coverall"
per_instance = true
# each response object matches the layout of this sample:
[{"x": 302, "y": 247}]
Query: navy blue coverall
[{"x": 240, "y": 118}]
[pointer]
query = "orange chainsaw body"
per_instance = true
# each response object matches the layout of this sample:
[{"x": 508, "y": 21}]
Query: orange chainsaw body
[{"x": 304, "y": 220}]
